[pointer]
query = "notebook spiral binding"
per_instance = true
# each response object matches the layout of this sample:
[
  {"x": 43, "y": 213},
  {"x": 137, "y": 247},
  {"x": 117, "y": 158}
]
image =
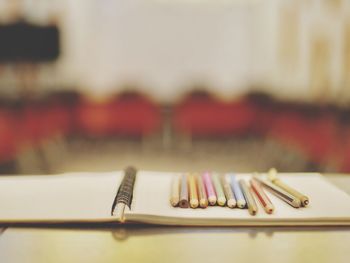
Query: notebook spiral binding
[{"x": 125, "y": 191}]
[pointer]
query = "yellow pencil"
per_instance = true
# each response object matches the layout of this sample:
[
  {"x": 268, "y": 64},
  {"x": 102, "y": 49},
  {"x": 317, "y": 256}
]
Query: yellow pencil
[
  {"x": 193, "y": 191},
  {"x": 203, "y": 199},
  {"x": 272, "y": 176},
  {"x": 279, "y": 192}
]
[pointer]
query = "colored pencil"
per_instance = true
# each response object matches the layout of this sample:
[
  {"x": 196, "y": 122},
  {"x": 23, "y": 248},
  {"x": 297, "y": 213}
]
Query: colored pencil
[
  {"x": 272, "y": 176},
  {"x": 241, "y": 203},
  {"x": 175, "y": 191},
  {"x": 184, "y": 192},
  {"x": 231, "y": 200},
  {"x": 279, "y": 192},
  {"x": 193, "y": 191},
  {"x": 209, "y": 188},
  {"x": 221, "y": 199},
  {"x": 262, "y": 197},
  {"x": 202, "y": 195},
  {"x": 252, "y": 207}
]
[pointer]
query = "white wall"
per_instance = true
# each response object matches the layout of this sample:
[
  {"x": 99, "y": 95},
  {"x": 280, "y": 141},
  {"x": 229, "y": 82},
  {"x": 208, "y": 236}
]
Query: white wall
[{"x": 164, "y": 47}]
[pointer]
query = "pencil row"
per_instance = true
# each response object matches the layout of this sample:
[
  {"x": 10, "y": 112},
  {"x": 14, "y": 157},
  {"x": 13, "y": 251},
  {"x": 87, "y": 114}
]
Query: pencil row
[{"x": 212, "y": 189}]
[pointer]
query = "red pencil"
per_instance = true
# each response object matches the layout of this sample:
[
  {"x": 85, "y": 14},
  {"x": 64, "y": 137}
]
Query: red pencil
[{"x": 262, "y": 197}]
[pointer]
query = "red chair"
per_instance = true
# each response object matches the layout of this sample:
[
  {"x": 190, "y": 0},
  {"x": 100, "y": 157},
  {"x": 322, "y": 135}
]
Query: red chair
[
  {"x": 265, "y": 114},
  {"x": 93, "y": 118},
  {"x": 8, "y": 135},
  {"x": 315, "y": 135},
  {"x": 344, "y": 159},
  {"x": 135, "y": 115},
  {"x": 202, "y": 115},
  {"x": 343, "y": 137},
  {"x": 126, "y": 115}
]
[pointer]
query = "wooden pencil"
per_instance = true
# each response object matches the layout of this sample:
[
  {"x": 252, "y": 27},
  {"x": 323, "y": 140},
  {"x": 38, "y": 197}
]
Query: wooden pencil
[
  {"x": 184, "y": 192},
  {"x": 231, "y": 200},
  {"x": 241, "y": 202},
  {"x": 272, "y": 176},
  {"x": 221, "y": 199},
  {"x": 262, "y": 197},
  {"x": 279, "y": 192},
  {"x": 202, "y": 195},
  {"x": 193, "y": 191},
  {"x": 175, "y": 191},
  {"x": 209, "y": 188},
  {"x": 252, "y": 206}
]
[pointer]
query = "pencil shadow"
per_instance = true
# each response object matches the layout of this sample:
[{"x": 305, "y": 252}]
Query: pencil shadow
[
  {"x": 121, "y": 232},
  {"x": 125, "y": 232}
]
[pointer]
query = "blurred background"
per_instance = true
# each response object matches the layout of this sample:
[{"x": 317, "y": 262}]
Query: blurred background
[{"x": 174, "y": 85}]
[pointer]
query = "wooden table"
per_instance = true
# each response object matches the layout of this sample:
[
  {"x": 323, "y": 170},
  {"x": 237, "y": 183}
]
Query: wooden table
[{"x": 178, "y": 244}]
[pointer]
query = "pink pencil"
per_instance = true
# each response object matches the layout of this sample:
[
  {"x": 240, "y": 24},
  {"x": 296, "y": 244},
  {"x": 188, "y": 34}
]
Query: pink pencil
[{"x": 209, "y": 187}]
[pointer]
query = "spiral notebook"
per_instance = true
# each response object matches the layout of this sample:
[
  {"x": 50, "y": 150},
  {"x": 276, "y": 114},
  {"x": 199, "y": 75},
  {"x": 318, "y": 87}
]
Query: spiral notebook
[{"x": 89, "y": 197}]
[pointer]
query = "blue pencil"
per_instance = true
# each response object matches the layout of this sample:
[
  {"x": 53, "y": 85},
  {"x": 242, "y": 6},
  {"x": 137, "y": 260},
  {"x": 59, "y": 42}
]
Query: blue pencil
[{"x": 241, "y": 203}]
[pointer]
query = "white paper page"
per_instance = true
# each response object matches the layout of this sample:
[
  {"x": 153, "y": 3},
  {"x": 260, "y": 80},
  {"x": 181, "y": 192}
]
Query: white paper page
[
  {"x": 66, "y": 197},
  {"x": 328, "y": 204}
]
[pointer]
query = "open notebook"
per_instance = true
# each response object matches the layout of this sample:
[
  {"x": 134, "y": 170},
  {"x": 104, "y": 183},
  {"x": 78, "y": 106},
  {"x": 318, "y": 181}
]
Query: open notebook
[{"x": 88, "y": 197}]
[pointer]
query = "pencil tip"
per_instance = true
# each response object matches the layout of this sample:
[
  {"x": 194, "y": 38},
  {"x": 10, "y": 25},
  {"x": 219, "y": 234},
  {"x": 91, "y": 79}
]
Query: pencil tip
[
  {"x": 231, "y": 203},
  {"x": 221, "y": 201},
  {"x": 212, "y": 200},
  {"x": 203, "y": 203},
  {"x": 272, "y": 174},
  {"x": 269, "y": 209},
  {"x": 306, "y": 202},
  {"x": 241, "y": 203},
  {"x": 194, "y": 203}
]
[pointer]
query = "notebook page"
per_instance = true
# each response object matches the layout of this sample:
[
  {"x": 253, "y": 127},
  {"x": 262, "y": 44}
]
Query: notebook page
[
  {"x": 67, "y": 197},
  {"x": 328, "y": 204}
]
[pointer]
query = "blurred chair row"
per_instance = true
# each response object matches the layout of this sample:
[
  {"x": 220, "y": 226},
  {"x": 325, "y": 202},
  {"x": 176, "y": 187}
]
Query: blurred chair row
[
  {"x": 320, "y": 133},
  {"x": 30, "y": 124}
]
